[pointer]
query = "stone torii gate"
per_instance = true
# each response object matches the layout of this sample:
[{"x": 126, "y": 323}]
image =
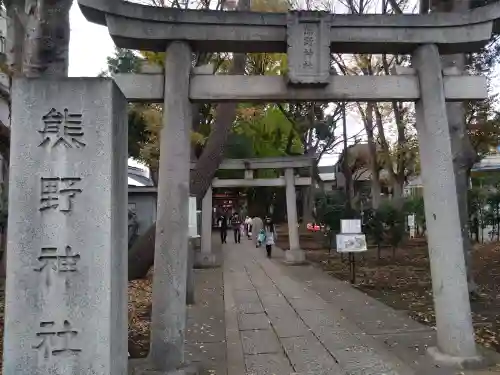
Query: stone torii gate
[
  {"x": 294, "y": 255},
  {"x": 307, "y": 38}
]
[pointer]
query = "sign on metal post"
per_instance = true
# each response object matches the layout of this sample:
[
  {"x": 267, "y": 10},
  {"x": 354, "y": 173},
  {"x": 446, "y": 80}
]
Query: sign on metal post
[
  {"x": 350, "y": 226},
  {"x": 351, "y": 243},
  {"x": 351, "y": 240},
  {"x": 411, "y": 225}
]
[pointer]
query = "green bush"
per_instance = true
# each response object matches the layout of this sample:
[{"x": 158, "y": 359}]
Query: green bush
[{"x": 415, "y": 206}]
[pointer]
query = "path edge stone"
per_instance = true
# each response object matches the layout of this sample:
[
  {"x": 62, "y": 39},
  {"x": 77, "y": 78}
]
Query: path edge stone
[{"x": 234, "y": 348}]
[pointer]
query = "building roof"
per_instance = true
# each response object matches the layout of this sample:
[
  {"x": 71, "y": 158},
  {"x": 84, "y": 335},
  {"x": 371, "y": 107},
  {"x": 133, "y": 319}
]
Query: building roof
[{"x": 139, "y": 176}]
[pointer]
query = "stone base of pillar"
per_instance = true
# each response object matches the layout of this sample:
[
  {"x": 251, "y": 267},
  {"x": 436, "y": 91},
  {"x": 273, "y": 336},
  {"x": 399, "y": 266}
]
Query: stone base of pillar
[
  {"x": 295, "y": 257},
  {"x": 143, "y": 367},
  {"x": 202, "y": 260},
  {"x": 466, "y": 363}
]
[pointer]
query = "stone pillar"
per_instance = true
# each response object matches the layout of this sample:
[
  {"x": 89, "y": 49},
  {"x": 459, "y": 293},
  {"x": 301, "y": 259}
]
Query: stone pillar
[
  {"x": 66, "y": 297},
  {"x": 206, "y": 258},
  {"x": 206, "y": 223},
  {"x": 455, "y": 335},
  {"x": 190, "y": 278},
  {"x": 168, "y": 320},
  {"x": 295, "y": 254}
]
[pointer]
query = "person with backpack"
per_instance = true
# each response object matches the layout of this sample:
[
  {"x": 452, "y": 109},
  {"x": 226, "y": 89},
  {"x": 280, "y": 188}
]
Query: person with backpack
[{"x": 261, "y": 237}]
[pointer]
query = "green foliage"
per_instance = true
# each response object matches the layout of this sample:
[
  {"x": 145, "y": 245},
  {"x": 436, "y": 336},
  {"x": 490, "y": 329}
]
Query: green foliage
[
  {"x": 123, "y": 61},
  {"x": 331, "y": 209},
  {"x": 415, "y": 205},
  {"x": 484, "y": 204},
  {"x": 394, "y": 222},
  {"x": 137, "y": 130},
  {"x": 267, "y": 129},
  {"x": 126, "y": 61},
  {"x": 374, "y": 226},
  {"x": 387, "y": 223}
]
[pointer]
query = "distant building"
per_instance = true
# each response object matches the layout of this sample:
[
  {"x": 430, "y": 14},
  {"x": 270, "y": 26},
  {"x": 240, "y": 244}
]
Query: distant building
[
  {"x": 139, "y": 176},
  {"x": 359, "y": 159}
]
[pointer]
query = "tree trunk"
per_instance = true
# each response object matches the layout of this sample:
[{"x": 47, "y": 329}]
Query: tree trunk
[
  {"x": 38, "y": 34},
  {"x": 307, "y": 204},
  {"x": 141, "y": 255},
  {"x": 464, "y": 154},
  {"x": 397, "y": 191},
  {"x": 46, "y": 50},
  {"x": 346, "y": 167},
  {"x": 15, "y": 36},
  {"x": 375, "y": 178}
]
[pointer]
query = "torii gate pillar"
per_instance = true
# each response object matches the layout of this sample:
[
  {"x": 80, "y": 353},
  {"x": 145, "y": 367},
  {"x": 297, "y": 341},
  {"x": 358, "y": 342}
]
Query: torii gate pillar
[
  {"x": 168, "y": 319},
  {"x": 455, "y": 334},
  {"x": 206, "y": 258},
  {"x": 294, "y": 255}
]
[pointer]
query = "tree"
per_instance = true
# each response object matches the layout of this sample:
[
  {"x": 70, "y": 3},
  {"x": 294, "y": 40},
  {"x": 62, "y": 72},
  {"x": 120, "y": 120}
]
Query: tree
[
  {"x": 141, "y": 255},
  {"x": 139, "y": 115},
  {"x": 38, "y": 33}
]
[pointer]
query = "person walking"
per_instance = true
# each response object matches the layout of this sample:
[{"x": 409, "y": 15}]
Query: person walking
[
  {"x": 248, "y": 227},
  {"x": 236, "y": 224},
  {"x": 271, "y": 236},
  {"x": 223, "y": 228},
  {"x": 257, "y": 225}
]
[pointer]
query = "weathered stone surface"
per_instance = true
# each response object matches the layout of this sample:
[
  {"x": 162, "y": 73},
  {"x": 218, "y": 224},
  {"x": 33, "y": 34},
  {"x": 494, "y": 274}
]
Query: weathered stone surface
[
  {"x": 291, "y": 211},
  {"x": 204, "y": 330},
  {"x": 250, "y": 307},
  {"x": 239, "y": 281},
  {"x": 253, "y": 321},
  {"x": 359, "y": 359},
  {"x": 264, "y": 89},
  {"x": 309, "y": 303},
  {"x": 206, "y": 226},
  {"x": 202, "y": 260},
  {"x": 336, "y": 338},
  {"x": 268, "y": 364},
  {"x": 295, "y": 257},
  {"x": 274, "y": 301},
  {"x": 144, "y": 367},
  {"x": 190, "y": 288},
  {"x": 259, "y": 342},
  {"x": 168, "y": 318},
  {"x": 139, "y": 27},
  {"x": 208, "y": 357},
  {"x": 455, "y": 335},
  {"x": 277, "y": 312},
  {"x": 66, "y": 299},
  {"x": 314, "y": 318},
  {"x": 309, "y": 356},
  {"x": 245, "y": 296},
  {"x": 308, "y": 38},
  {"x": 288, "y": 325}
]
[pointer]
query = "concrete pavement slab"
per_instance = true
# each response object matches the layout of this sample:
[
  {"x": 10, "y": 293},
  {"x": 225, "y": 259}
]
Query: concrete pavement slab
[
  {"x": 308, "y": 355},
  {"x": 260, "y": 342},
  {"x": 268, "y": 364},
  {"x": 249, "y": 322}
]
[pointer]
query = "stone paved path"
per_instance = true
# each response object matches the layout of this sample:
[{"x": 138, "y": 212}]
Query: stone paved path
[{"x": 285, "y": 320}]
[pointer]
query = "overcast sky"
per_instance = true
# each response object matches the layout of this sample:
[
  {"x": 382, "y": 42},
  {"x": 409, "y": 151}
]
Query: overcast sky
[{"x": 89, "y": 46}]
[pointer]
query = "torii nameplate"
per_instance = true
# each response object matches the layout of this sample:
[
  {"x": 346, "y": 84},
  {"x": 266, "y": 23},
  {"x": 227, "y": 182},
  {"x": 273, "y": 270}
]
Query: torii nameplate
[{"x": 308, "y": 52}]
